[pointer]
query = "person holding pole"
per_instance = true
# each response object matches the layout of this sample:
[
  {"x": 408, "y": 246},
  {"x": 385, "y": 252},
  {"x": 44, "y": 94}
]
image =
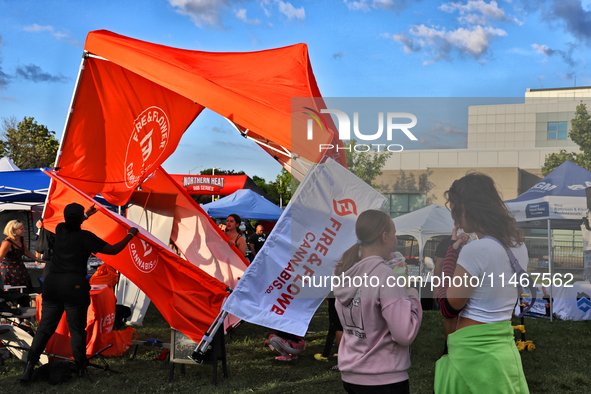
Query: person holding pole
[{"x": 66, "y": 287}]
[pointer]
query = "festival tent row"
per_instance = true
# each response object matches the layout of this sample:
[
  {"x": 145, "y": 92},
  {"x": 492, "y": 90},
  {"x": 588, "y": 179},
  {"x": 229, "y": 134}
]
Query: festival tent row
[{"x": 132, "y": 103}]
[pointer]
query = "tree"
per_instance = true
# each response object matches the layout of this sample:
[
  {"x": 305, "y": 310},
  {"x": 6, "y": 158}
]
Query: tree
[
  {"x": 366, "y": 165},
  {"x": 285, "y": 185},
  {"x": 209, "y": 171},
  {"x": 28, "y": 144},
  {"x": 581, "y": 135}
]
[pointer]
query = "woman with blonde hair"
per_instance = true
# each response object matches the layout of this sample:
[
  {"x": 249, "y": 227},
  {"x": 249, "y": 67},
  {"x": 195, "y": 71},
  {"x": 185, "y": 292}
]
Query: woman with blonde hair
[
  {"x": 12, "y": 268},
  {"x": 380, "y": 315},
  {"x": 482, "y": 355}
]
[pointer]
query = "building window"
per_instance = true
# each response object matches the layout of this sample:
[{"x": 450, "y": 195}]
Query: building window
[
  {"x": 399, "y": 204},
  {"x": 557, "y": 130}
]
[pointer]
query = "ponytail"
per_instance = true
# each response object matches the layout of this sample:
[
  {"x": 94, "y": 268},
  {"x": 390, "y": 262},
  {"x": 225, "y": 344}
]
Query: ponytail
[
  {"x": 349, "y": 259},
  {"x": 370, "y": 226}
]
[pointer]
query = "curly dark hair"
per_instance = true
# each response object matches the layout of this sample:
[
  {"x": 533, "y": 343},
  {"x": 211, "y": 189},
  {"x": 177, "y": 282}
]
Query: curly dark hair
[{"x": 476, "y": 196}]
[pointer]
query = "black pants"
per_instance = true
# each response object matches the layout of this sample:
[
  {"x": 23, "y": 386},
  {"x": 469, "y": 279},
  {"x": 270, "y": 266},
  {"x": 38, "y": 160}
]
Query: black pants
[
  {"x": 334, "y": 325},
  {"x": 394, "y": 388},
  {"x": 69, "y": 293}
]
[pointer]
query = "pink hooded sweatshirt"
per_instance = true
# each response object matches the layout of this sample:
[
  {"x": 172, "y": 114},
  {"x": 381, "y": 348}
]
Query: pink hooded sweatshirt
[{"x": 380, "y": 320}]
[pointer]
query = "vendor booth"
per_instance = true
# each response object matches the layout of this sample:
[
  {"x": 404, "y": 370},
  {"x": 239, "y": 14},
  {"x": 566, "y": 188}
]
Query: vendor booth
[{"x": 556, "y": 202}]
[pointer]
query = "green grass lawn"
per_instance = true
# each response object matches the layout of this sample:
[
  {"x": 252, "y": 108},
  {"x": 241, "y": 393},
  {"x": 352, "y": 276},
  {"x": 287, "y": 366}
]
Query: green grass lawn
[{"x": 561, "y": 363}]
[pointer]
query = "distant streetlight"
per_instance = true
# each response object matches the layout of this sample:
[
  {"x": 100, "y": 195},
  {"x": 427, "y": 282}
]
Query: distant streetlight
[
  {"x": 194, "y": 169},
  {"x": 212, "y": 174}
]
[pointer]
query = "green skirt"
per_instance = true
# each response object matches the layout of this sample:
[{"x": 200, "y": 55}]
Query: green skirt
[{"x": 482, "y": 359}]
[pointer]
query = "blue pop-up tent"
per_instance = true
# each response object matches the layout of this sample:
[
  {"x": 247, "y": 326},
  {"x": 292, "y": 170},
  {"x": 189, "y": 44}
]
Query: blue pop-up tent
[
  {"x": 559, "y": 197},
  {"x": 23, "y": 188},
  {"x": 557, "y": 202},
  {"x": 246, "y": 204}
]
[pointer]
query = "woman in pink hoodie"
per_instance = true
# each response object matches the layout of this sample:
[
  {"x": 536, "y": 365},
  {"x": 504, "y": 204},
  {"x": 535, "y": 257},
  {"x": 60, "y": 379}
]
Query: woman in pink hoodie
[{"x": 380, "y": 315}]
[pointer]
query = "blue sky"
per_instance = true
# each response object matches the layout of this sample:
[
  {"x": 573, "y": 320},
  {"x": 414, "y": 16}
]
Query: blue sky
[{"x": 379, "y": 48}]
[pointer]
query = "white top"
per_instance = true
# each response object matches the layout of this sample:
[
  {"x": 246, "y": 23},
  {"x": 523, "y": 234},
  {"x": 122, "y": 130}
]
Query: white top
[{"x": 494, "y": 298}]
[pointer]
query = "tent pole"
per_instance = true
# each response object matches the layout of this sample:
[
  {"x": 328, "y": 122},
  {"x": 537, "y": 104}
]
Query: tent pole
[
  {"x": 420, "y": 242},
  {"x": 59, "y": 150},
  {"x": 70, "y": 109},
  {"x": 550, "y": 269},
  {"x": 199, "y": 352}
]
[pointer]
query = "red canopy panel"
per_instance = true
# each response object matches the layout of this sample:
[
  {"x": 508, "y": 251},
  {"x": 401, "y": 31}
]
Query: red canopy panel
[
  {"x": 122, "y": 128},
  {"x": 188, "y": 297},
  {"x": 195, "y": 234},
  {"x": 252, "y": 89}
]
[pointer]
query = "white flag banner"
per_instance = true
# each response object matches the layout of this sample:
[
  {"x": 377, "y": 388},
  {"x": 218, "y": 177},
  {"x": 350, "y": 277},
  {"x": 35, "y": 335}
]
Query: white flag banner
[{"x": 317, "y": 227}]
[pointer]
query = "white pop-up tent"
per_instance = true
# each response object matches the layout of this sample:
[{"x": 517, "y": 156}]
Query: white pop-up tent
[{"x": 423, "y": 224}]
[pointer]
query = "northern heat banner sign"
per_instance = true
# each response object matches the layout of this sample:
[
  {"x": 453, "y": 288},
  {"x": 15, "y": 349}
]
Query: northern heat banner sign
[
  {"x": 317, "y": 227},
  {"x": 188, "y": 298}
]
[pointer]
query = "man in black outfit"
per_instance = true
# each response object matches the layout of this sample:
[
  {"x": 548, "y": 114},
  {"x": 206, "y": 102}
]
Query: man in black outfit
[
  {"x": 66, "y": 287},
  {"x": 257, "y": 240}
]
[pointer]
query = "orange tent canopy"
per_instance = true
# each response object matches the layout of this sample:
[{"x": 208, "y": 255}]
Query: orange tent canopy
[
  {"x": 252, "y": 89},
  {"x": 122, "y": 77}
]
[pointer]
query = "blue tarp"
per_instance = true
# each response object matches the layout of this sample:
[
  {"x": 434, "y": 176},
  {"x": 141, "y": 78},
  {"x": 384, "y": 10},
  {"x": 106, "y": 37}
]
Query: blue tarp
[{"x": 246, "y": 204}]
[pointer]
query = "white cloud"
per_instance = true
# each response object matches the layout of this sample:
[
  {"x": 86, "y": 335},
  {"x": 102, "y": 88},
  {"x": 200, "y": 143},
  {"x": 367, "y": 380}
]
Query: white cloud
[
  {"x": 566, "y": 55},
  {"x": 489, "y": 10},
  {"x": 367, "y": 5},
  {"x": 208, "y": 13},
  {"x": 358, "y": 5},
  {"x": 64, "y": 36},
  {"x": 241, "y": 15},
  {"x": 473, "y": 41},
  {"x": 473, "y": 38},
  {"x": 36, "y": 28},
  {"x": 479, "y": 12},
  {"x": 410, "y": 45},
  {"x": 291, "y": 12},
  {"x": 543, "y": 49},
  {"x": 338, "y": 55},
  {"x": 203, "y": 13}
]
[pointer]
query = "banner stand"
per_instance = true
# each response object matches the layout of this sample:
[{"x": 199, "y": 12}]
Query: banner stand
[{"x": 180, "y": 353}]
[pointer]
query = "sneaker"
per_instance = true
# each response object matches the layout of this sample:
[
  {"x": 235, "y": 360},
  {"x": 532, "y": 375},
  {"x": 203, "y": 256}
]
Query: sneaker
[
  {"x": 318, "y": 356},
  {"x": 289, "y": 357},
  {"x": 334, "y": 368}
]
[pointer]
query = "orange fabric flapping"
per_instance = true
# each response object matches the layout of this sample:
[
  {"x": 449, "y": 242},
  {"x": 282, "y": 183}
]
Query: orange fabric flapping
[{"x": 188, "y": 298}]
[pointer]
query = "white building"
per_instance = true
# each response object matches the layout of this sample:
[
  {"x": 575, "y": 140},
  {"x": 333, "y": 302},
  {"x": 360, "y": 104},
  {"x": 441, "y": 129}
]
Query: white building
[{"x": 508, "y": 142}]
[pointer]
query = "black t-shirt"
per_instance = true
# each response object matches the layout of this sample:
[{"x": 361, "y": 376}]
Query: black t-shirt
[
  {"x": 441, "y": 250},
  {"x": 257, "y": 241},
  {"x": 72, "y": 250}
]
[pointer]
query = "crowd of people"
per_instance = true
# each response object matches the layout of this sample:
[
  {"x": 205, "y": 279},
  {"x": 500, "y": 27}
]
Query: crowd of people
[
  {"x": 379, "y": 323},
  {"x": 374, "y": 326}
]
